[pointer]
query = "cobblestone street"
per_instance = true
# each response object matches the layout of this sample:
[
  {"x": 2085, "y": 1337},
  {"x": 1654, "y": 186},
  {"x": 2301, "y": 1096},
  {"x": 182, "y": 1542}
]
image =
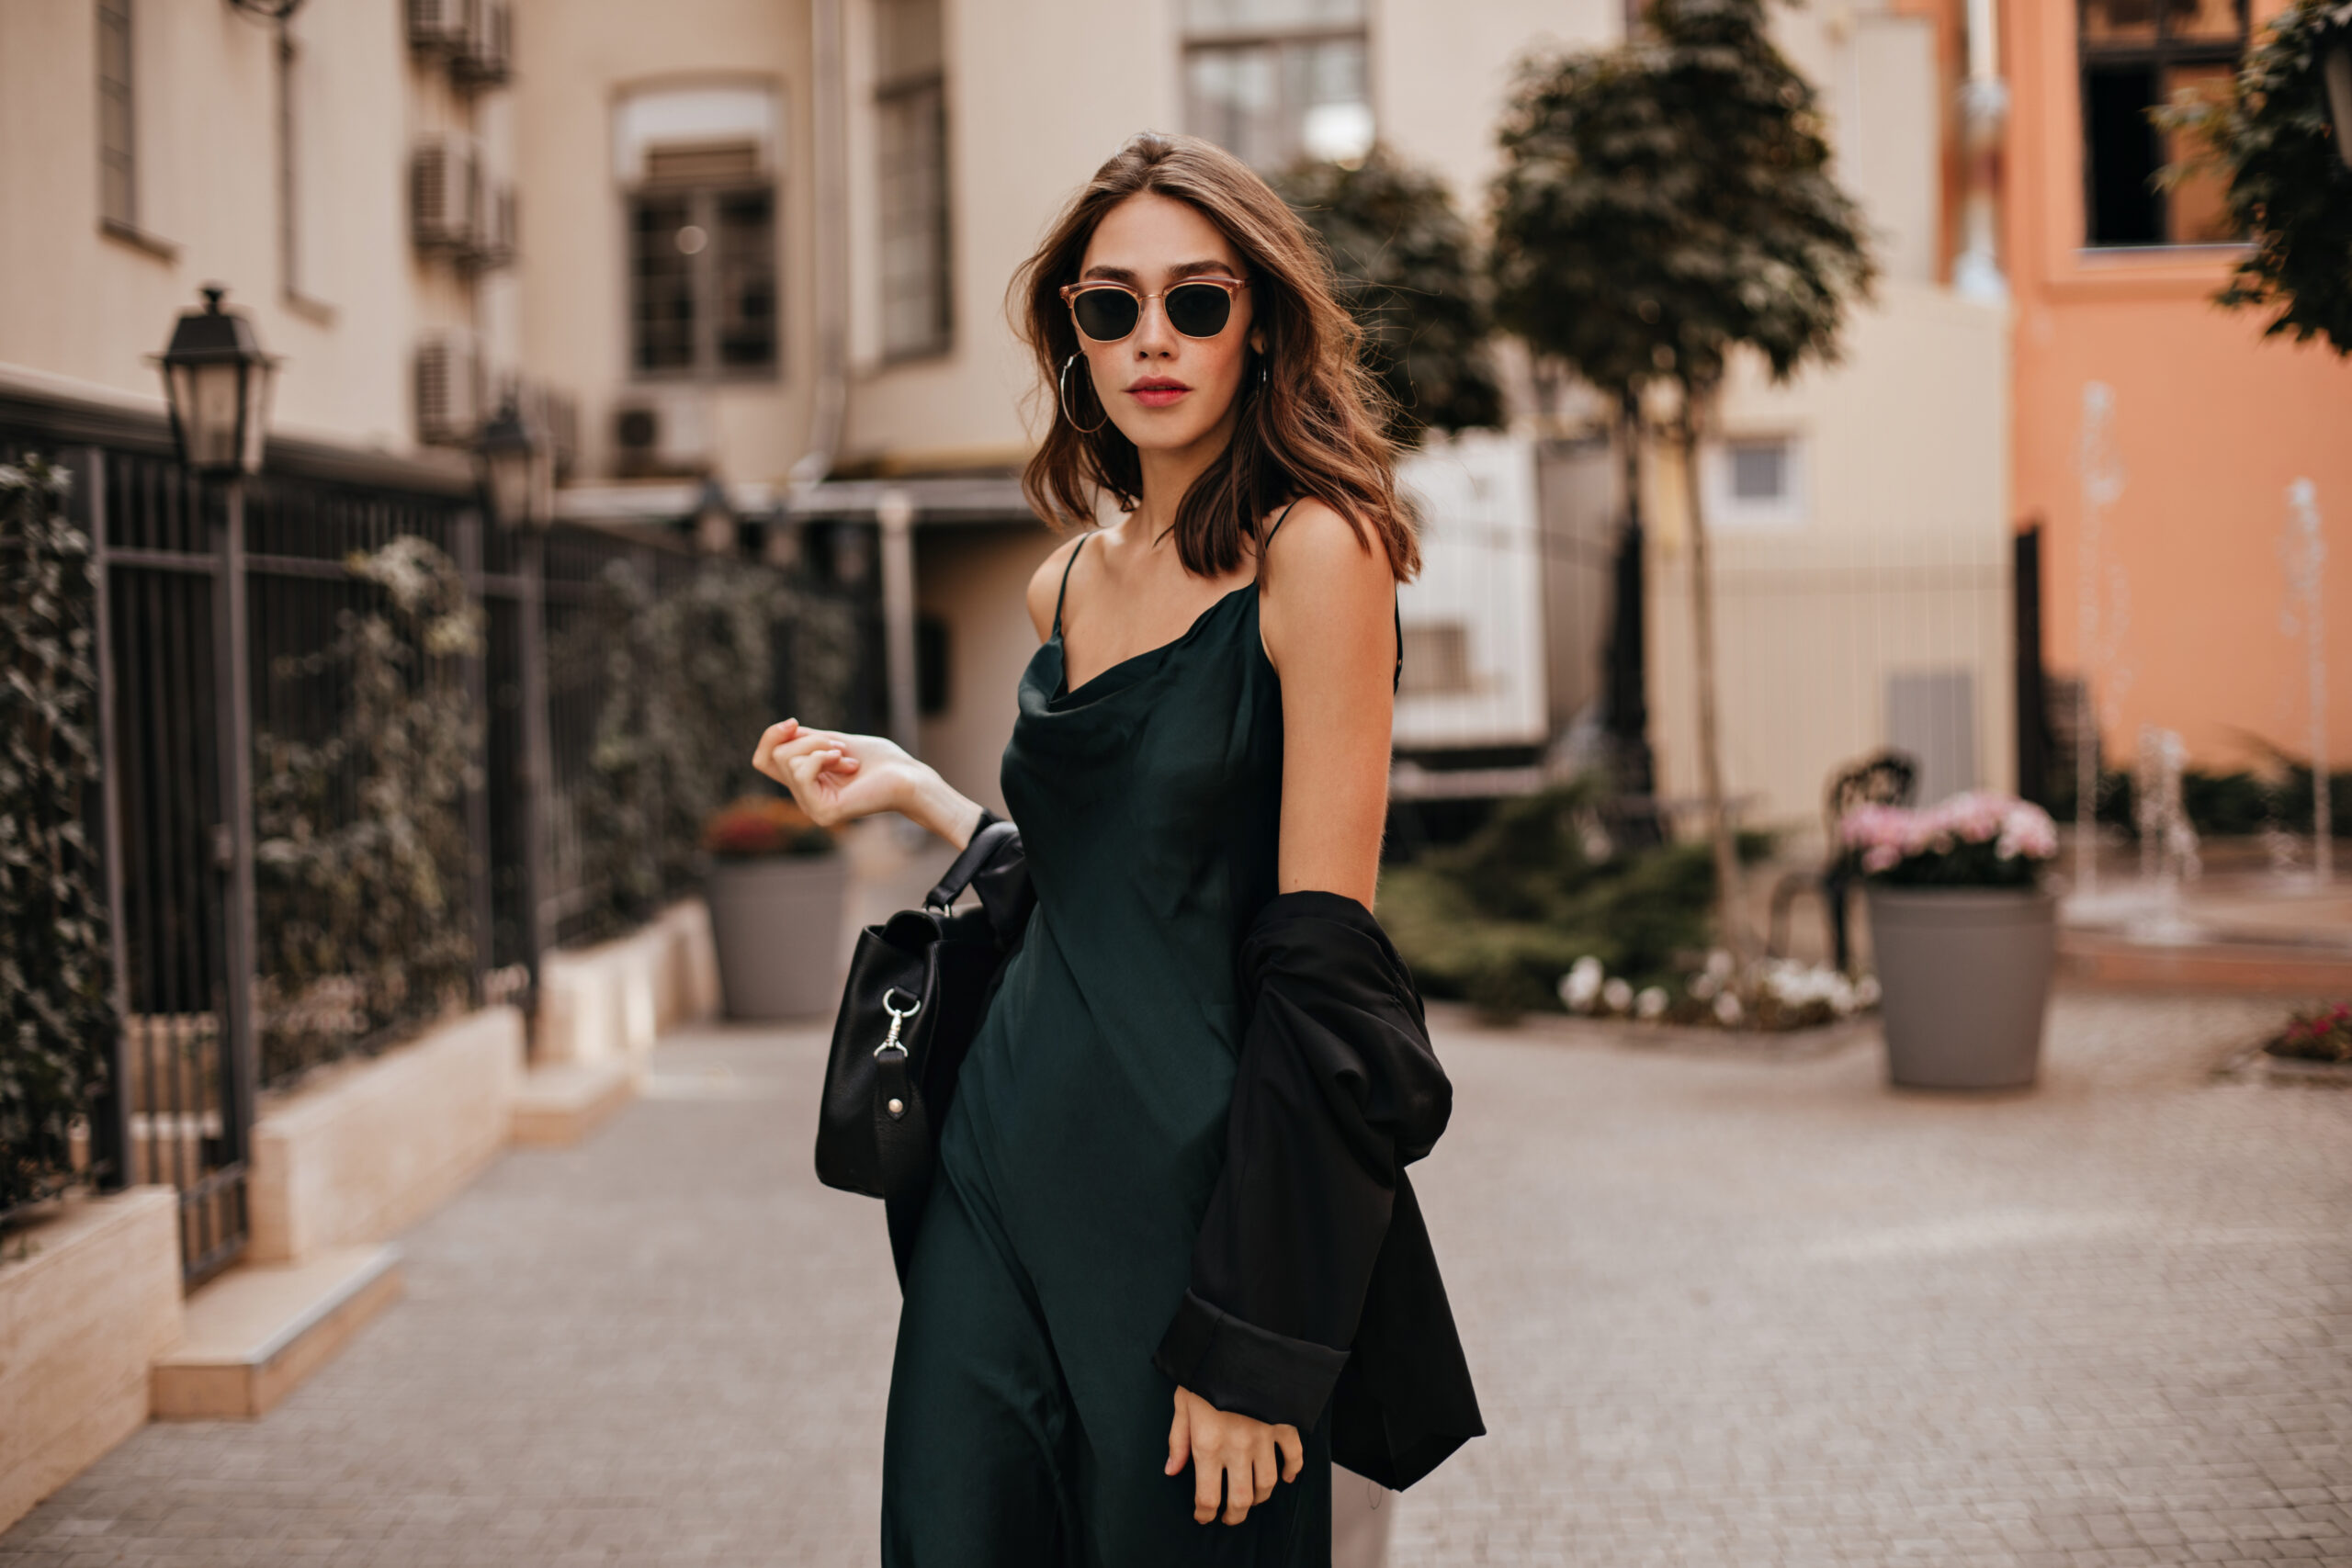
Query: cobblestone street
[{"x": 1723, "y": 1308}]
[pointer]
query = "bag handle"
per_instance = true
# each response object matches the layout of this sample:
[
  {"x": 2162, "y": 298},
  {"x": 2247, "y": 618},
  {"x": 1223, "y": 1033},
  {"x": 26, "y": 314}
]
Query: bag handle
[{"x": 987, "y": 838}]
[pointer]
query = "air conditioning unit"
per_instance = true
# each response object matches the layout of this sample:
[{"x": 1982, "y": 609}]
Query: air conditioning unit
[
  {"x": 661, "y": 432},
  {"x": 445, "y": 193},
  {"x": 437, "y": 27},
  {"x": 487, "y": 55},
  {"x": 493, "y": 240},
  {"x": 448, "y": 390}
]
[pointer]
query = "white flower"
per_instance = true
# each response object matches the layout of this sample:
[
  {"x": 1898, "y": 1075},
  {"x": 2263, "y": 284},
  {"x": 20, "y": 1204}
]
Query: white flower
[
  {"x": 1581, "y": 985},
  {"x": 1618, "y": 994},
  {"x": 1866, "y": 991},
  {"x": 1704, "y": 986},
  {"x": 1727, "y": 1009},
  {"x": 1651, "y": 1003},
  {"x": 1719, "y": 965}
]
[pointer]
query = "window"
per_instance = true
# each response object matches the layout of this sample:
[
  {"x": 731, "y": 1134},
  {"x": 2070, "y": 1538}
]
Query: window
[
  {"x": 1754, "y": 482},
  {"x": 2136, "y": 54},
  {"x": 1437, "y": 661},
  {"x": 1275, "y": 80},
  {"x": 118, "y": 164},
  {"x": 702, "y": 274},
  {"x": 910, "y": 116}
]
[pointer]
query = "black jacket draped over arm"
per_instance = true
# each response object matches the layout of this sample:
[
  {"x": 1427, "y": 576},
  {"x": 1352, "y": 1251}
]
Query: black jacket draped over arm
[{"x": 1314, "y": 1283}]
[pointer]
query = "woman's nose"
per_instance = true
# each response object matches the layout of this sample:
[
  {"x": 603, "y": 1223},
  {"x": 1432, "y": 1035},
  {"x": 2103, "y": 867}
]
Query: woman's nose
[{"x": 1153, "y": 335}]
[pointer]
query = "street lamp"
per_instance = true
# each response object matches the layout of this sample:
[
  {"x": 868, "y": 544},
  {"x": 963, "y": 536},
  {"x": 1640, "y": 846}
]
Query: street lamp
[
  {"x": 714, "y": 520},
  {"x": 518, "y": 470},
  {"x": 217, "y": 382}
]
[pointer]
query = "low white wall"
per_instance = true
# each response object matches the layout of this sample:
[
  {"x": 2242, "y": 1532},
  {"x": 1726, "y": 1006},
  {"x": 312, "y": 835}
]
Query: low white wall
[
  {"x": 81, "y": 1317},
  {"x": 371, "y": 1152},
  {"x": 613, "y": 1001}
]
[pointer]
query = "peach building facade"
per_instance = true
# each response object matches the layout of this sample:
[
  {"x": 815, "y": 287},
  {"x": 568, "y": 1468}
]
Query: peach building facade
[{"x": 2206, "y": 424}]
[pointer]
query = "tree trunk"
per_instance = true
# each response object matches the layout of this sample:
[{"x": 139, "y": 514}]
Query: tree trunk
[
  {"x": 1731, "y": 907},
  {"x": 1626, "y": 693}
]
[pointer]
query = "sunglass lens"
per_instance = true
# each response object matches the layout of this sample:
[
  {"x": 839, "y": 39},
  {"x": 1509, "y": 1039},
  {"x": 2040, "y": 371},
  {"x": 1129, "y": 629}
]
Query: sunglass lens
[
  {"x": 1199, "y": 310},
  {"x": 1106, "y": 315}
]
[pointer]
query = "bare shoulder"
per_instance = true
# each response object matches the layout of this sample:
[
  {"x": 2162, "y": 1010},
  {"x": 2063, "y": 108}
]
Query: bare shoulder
[
  {"x": 1045, "y": 585},
  {"x": 1326, "y": 587}
]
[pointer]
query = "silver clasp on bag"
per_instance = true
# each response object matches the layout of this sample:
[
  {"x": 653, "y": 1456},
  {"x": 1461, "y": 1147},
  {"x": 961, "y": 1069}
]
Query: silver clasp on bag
[{"x": 898, "y": 1019}]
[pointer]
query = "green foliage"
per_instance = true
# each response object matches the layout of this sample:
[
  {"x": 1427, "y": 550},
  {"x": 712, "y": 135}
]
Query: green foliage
[
  {"x": 2270, "y": 138},
  {"x": 1665, "y": 201},
  {"x": 1499, "y": 917},
  {"x": 687, "y": 683},
  {"x": 1408, "y": 273},
  {"x": 2240, "y": 803},
  {"x": 56, "y": 968},
  {"x": 361, "y": 854}
]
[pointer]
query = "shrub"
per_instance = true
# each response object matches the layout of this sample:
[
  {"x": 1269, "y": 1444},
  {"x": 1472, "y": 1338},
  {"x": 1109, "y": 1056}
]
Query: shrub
[{"x": 56, "y": 966}]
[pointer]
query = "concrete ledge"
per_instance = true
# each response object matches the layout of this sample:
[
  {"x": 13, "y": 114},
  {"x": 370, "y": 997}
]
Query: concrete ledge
[
  {"x": 564, "y": 1101},
  {"x": 2094, "y": 959},
  {"x": 613, "y": 1001},
  {"x": 370, "y": 1152},
  {"x": 256, "y": 1331},
  {"x": 97, "y": 1300}
]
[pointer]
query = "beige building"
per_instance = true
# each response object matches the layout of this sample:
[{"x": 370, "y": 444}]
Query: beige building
[{"x": 767, "y": 241}]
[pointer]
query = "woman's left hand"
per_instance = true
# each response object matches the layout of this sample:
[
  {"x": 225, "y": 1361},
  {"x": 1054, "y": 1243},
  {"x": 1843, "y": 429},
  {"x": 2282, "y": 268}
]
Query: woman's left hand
[{"x": 1235, "y": 1455}]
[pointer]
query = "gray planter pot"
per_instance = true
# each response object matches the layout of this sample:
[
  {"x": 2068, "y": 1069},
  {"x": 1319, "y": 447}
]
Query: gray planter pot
[
  {"x": 777, "y": 923},
  {"x": 1964, "y": 979}
]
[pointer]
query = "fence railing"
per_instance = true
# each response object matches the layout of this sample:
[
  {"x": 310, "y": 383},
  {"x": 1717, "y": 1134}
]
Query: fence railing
[{"x": 359, "y": 772}]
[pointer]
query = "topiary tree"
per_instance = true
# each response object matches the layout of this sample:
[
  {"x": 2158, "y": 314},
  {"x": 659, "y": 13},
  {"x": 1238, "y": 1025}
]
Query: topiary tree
[
  {"x": 56, "y": 963},
  {"x": 1409, "y": 274},
  {"x": 2270, "y": 138},
  {"x": 1661, "y": 205}
]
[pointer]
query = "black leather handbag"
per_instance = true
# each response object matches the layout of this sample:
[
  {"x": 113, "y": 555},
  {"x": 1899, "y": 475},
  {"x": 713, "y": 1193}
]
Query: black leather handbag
[{"x": 917, "y": 984}]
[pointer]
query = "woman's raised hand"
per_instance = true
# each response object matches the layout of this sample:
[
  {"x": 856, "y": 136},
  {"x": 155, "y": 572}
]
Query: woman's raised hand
[
  {"x": 835, "y": 777},
  {"x": 1235, "y": 1457}
]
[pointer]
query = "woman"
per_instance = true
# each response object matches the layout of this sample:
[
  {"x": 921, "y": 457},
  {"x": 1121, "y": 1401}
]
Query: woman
[{"x": 1204, "y": 726}]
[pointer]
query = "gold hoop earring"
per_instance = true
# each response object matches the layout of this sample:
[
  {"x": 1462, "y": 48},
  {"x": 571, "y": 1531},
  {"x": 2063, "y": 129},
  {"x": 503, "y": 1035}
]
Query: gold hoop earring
[{"x": 1063, "y": 398}]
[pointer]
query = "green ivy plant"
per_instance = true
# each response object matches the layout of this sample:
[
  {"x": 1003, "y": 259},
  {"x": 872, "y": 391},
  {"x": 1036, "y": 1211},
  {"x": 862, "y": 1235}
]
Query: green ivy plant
[
  {"x": 1410, "y": 274},
  {"x": 56, "y": 965},
  {"x": 363, "y": 909},
  {"x": 688, "y": 685},
  {"x": 2270, "y": 138}
]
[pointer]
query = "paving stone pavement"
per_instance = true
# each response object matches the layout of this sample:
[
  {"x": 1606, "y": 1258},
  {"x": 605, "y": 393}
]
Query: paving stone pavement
[{"x": 1731, "y": 1308}]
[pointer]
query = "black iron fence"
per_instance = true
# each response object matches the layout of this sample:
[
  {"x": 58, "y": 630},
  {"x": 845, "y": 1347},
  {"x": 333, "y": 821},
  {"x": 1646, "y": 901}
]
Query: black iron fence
[{"x": 367, "y": 759}]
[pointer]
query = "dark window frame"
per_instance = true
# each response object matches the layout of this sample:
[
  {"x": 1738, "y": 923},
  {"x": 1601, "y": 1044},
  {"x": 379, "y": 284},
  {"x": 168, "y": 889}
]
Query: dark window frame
[
  {"x": 2155, "y": 56},
  {"x": 114, "y": 18},
  {"x": 894, "y": 93},
  {"x": 706, "y": 362},
  {"x": 1280, "y": 39}
]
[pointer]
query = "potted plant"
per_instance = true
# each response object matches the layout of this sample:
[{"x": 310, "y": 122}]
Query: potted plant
[
  {"x": 1964, "y": 934},
  {"x": 778, "y": 891}
]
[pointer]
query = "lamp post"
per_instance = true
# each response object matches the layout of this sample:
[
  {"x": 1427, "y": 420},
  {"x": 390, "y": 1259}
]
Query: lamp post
[
  {"x": 217, "y": 384},
  {"x": 216, "y": 380},
  {"x": 518, "y": 477},
  {"x": 518, "y": 470},
  {"x": 715, "y": 522}
]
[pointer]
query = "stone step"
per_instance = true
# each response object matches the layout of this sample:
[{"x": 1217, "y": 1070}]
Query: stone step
[
  {"x": 252, "y": 1334},
  {"x": 562, "y": 1102}
]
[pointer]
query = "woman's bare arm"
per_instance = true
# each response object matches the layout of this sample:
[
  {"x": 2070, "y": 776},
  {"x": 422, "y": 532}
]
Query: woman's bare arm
[{"x": 1327, "y": 609}]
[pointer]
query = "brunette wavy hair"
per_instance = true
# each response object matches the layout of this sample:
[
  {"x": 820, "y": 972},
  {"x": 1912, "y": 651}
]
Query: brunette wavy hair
[{"x": 1314, "y": 429}]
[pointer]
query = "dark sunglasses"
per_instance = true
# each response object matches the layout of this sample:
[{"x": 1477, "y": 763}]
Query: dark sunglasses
[{"x": 1107, "y": 312}]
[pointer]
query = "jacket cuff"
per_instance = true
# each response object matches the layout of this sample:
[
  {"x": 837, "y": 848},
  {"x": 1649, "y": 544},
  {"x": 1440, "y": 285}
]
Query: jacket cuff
[{"x": 1253, "y": 1372}]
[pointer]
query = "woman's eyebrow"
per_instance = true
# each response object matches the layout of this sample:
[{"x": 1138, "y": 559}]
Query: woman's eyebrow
[{"x": 1182, "y": 269}]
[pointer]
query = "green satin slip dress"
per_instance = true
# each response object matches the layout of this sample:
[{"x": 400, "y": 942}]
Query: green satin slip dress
[{"x": 1027, "y": 1425}]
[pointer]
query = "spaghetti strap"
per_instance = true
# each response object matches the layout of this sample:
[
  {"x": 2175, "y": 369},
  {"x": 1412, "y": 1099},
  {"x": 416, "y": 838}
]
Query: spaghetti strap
[
  {"x": 1278, "y": 526},
  {"x": 1064, "y": 593}
]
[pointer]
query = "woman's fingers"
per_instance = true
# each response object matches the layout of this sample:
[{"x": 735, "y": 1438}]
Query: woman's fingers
[
  {"x": 1264, "y": 1470},
  {"x": 1180, "y": 1440},
  {"x": 1294, "y": 1452},
  {"x": 1239, "y": 1488},
  {"x": 1208, "y": 1478}
]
